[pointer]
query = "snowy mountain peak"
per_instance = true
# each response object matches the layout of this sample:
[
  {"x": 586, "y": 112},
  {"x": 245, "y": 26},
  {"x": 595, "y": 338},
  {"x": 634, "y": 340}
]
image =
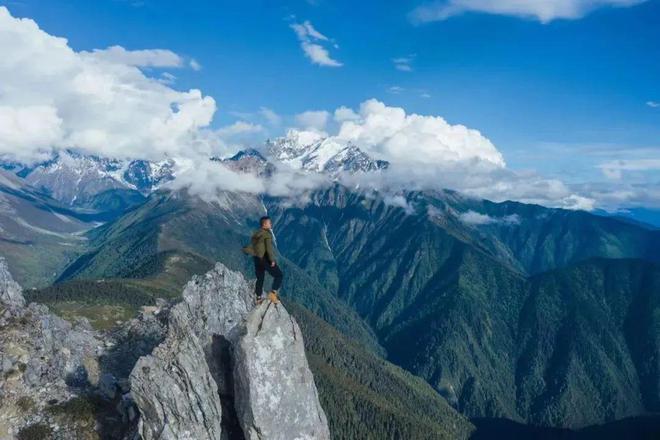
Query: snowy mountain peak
[
  {"x": 72, "y": 178},
  {"x": 311, "y": 152}
]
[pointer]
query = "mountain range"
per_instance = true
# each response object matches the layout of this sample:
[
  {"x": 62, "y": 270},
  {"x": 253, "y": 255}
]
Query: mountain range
[{"x": 542, "y": 316}]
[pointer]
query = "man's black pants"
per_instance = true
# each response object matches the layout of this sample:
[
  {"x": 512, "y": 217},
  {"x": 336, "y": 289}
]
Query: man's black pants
[{"x": 261, "y": 266}]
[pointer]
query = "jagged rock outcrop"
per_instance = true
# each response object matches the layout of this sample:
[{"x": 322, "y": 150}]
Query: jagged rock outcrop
[
  {"x": 276, "y": 398},
  {"x": 186, "y": 403},
  {"x": 175, "y": 391},
  {"x": 11, "y": 293},
  {"x": 192, "y": 358},
  {"x": 214, "y": 304},
  {"x": 46, "y": 364},
  {"x": 186, "y": 388}
]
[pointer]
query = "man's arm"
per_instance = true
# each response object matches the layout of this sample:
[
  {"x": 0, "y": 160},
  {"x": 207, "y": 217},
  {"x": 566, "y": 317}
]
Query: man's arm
[{"x": 270, "y": 252}]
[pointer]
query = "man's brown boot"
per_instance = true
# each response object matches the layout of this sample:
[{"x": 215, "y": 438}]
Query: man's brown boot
[
  {"x": 259, "y": 300},
  {"x": 272, "y": 296}
]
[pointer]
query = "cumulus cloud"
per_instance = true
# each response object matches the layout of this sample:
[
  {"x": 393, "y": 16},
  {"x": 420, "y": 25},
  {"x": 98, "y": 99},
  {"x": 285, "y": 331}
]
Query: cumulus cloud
[
  {"x": 344, "y": 113},
  {"x": 390, "y": 133},
  {"x": 313, "y": 120},
  {"x": 99, "y": 102},
  {"x": 542, "y": 10},
  {"x": 312, "y": 43},
  {"x": 240, "y": 127},
  {"x": 653, "y": 104}
]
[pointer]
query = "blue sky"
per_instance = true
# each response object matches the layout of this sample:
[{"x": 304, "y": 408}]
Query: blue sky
[{"x": 560, "y": 96}]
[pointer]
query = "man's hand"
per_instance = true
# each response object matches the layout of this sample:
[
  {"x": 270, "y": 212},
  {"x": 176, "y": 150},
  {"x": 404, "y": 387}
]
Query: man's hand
[{"x": 272, "y": 264}]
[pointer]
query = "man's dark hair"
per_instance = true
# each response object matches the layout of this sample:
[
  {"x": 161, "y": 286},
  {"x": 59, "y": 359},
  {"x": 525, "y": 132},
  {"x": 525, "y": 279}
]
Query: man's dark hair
[{"x": 263, "y": 220}]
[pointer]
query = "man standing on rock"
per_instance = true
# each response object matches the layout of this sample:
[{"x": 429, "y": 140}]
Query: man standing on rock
[{"x": 263, "y": 254}]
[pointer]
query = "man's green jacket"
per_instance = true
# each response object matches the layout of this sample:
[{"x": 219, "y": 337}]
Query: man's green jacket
[{"x": 261, "y": 245}]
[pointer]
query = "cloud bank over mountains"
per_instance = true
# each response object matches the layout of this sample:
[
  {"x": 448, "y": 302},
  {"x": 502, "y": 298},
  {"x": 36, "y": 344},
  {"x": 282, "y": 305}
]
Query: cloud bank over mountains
[{"x": 104, "y": 102}]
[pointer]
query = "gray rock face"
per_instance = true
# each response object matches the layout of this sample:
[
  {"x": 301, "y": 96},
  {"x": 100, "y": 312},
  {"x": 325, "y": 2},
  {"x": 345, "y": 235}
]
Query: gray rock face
[
  {"x": 276, "y": 398},
  {"x": 11, "y": 293},
  {"x": 175, "y": 391},
  {"x": 187, "y": 364}
]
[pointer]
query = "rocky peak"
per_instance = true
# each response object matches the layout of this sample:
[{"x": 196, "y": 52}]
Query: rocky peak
[
  {"x": 216, "y": 370},
  {"x": 248, "y": 161}
]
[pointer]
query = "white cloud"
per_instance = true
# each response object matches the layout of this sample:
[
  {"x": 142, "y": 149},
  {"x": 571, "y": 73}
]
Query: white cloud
[
  {"x": 541, "y": 10},
  {"x": 653, "y": 104},
  {"x": 270, "y": 115},
  {"x": 313, "y": 120},
  {"x": 614, "y": 170},
  {"x": 28, "y": 132},
  {"x": 391, "y": 133},
  {"x": 345, "y": 114},
  {"x": 404, "y": 64},
  {"x": 478, "y": 219},
  {"x": 319, "y": 54},
  {"x": 305, "y": 30},
  {"x": 398, "y": 201},
  {"x": 138, "y": 58},
  {"x": 240, "y": 127},
  {"x": 311, "y": 42},
  {"x": 54, "y": 97}
]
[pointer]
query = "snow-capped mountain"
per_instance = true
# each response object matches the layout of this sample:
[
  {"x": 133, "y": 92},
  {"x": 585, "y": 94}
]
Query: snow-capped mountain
[
  {"x": 78, "y": 180},
  {"x": 248, "y": 161},
  {"x": 316, "y": 154},
  {"x": 74, "y": 178},
  {"x": 147, "y": 176}
]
